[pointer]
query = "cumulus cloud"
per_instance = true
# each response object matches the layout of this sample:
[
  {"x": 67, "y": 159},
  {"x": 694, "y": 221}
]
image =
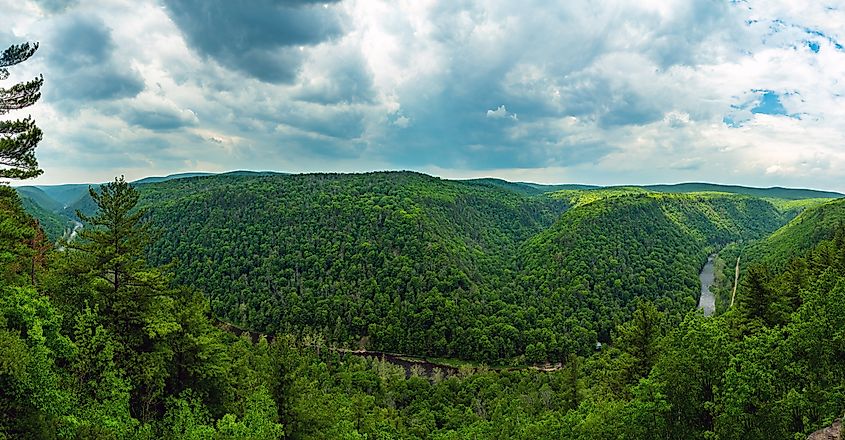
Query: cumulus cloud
[
  {"x": 263, "y": 39},
  {"x": 82, "y": 63},
  {"x": 622, "y": 92}
]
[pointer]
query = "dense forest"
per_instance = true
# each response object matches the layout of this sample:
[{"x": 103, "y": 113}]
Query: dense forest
[
  {"x": 397, "y": 305},
  {"x": 413, "y": 264},
  {"x": 116, "y": 337}
]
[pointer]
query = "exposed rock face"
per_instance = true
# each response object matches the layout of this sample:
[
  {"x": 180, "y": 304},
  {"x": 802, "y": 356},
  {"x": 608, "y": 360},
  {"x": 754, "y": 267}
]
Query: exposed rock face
[{"x": 833, "y": 432}]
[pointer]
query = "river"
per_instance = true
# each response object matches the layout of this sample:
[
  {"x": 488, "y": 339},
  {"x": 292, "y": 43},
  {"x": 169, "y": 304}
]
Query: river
[{"x": 707, "y": 302}]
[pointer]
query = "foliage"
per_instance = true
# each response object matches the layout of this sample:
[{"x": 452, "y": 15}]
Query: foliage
[
  {"x": 408, "y": 263},
  {"x": 99, "y": 343},
  {"x": 18, "y": 138}
]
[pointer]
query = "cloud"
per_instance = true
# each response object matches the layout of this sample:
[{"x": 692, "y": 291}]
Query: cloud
[
  {"x": 156, "y": 113},
  {"x": 402, "y": 122},
  {"x": 501, "y": 113},
  {"x": 263, "y": 39},
  {"x": 54, "y": 6},
  {"x": 335, "y": 74},
  {"x": 83, "y": 66},
  {"x": 621, "y": 92}
]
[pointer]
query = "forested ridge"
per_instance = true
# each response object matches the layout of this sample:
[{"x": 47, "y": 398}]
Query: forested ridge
[
  {"x": 85, "y": 358},
  {"x": 408, "y": 263},
  {"x": 123, "y": 327}
]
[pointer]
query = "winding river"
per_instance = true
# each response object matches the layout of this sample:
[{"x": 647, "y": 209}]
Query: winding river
[{"x": 707, "y": 301}]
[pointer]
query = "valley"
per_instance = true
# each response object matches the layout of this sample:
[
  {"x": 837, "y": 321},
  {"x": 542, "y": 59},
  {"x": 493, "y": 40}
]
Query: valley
[
  {"x": 678, "y": 274},
  {"x": 531, "y": 310},
  {"x": 481, "y": 270}
]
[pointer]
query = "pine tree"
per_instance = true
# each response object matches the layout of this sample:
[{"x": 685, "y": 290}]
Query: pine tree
[
  {"x": 117, "y": 236},
  {"x": 759, "y": 303},
  {"x": 134, "y": 301},
  {"x": 640, "y": 336},
  {"x": 18, "y": 138}
]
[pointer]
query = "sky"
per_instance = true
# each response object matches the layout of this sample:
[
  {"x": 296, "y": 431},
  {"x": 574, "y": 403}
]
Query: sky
[{"x": 600, "y": 92}]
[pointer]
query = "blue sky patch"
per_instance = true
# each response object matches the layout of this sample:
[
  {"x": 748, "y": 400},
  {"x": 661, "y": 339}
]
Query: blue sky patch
[
  {"x": 730, "y": 122},
  {"x": 769, "y": 104},
  {"x": 826, "y": 37},
  {"x": 757, "y": 101},
  {"x": 814, "y": 46}
]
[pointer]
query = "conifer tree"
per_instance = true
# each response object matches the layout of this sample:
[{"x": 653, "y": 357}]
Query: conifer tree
[{"x": 18, "y": 138}]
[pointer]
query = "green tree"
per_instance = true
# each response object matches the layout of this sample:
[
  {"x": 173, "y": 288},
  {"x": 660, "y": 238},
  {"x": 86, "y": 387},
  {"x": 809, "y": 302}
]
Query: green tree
[
  {"x": 639, "y": 337},
  {"x": 133, "y": 299},
  {"x": 116, "y": 237},
  {"x": 31, "y": 349},
  {"x": 758, "y": 302},
  {"x": 18, "y": 138}
]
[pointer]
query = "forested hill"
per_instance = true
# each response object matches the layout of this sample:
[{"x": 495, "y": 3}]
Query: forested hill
[
  {"x": 479, "y": 269},
  {"x": 604, "y": 253},
  {"x": 812, "y": 226},
  {"x": 775, "y": 192},
  {"x": 409, "y": 263},
  {"x": 512, "y": 277}
]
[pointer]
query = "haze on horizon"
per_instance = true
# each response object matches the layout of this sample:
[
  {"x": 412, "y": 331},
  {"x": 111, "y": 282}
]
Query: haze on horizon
[{"x": 734, "y": 92}]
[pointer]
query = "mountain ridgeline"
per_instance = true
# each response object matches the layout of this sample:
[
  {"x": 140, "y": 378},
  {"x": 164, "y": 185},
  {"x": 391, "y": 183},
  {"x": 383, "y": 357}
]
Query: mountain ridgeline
[
  {"x": 117, "y": 334},
  {"x": 483, "y": 270}
]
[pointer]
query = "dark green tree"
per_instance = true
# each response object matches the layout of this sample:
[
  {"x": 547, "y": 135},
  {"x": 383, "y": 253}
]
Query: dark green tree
[
  {"x": 134, "y": 300},
  {"x": 640, "y": 336},
  {"x": 116, "y": 237},
  {"x": 758, "y": 303},
  {"x": 18, "y": 138}
]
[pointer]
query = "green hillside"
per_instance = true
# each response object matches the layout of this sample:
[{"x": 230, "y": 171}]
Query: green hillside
[
  {"x": 409, "y": 263},
  {"x": 602, "y": 254},
  {"x": 773, "y": 192},
  {"x": 64, "y": 195},
  {"x": 38, "y": 197},
  {"x": 528, "y": 188},
  {"x": 155, "y": 179},
  {"x": 54, "y": 224},
  {"x": 412, "y": 262},
  {"x": 818, "y": 222},
  {"x": 510, "y": 276},
  {"x": 805, "y": 231}
]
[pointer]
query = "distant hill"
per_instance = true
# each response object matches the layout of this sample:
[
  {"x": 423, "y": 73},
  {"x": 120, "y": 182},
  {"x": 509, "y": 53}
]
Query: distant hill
[
  {"x": 253, "y": 173},
  {"x": 52, "y": 203},
  {"x": 63, "y": 195},
  {"x": 39, "y": 197},
  {"x": 773, "y": 192},
  {"x": 54, "y": 224},
  {"x": 527, "y": 187},
  {"x": 776, "y": 192},
  {"x": 155, "y": 179}
]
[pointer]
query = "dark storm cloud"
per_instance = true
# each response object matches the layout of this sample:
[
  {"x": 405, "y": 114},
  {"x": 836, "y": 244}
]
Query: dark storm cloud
[
  {"x": 261, "y": 39},
  {"x": 80, "y": 54},
  {"x": 465, "y": 85}
]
